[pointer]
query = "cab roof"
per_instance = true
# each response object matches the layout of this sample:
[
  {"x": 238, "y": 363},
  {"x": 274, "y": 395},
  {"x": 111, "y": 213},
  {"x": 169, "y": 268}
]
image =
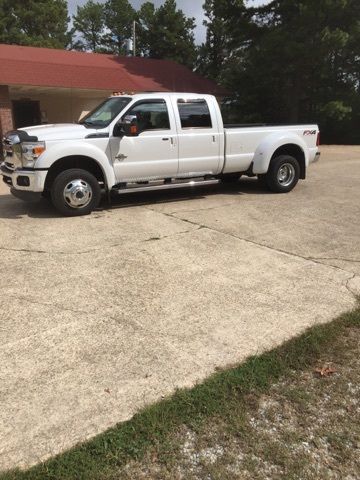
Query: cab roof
[{"x": 157, "y": 94}]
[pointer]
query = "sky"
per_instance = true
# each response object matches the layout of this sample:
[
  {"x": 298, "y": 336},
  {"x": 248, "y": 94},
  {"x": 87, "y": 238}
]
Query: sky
[{"x": 192, "y": 8}]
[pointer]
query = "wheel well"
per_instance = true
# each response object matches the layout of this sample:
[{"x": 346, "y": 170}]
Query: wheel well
[
  {"x": 86, "y": 163},
  {"x": 296, "y": 152}
]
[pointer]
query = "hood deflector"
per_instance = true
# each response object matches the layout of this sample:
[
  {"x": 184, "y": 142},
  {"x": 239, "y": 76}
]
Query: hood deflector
[{"x": 23, "y": 136}]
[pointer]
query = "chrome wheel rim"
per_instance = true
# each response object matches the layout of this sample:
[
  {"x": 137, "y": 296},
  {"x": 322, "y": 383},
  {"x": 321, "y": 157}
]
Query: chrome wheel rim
[
  {"x": 78, "y": 193},
  {"x": 286, "y": 174}
]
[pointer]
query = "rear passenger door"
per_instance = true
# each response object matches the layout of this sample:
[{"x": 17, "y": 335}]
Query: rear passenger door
[{"x": 198, "y": 136}]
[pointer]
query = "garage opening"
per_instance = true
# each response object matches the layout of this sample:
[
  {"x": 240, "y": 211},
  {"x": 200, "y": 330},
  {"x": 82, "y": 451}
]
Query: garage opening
[{"x": 26, "y": 113}]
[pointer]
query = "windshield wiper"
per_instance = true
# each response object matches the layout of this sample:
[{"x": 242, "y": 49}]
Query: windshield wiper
[{"x": 90, "y": 123}]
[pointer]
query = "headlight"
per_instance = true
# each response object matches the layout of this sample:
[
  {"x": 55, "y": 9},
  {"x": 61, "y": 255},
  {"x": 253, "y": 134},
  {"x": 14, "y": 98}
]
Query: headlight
[{"x": 31, "y": 151}]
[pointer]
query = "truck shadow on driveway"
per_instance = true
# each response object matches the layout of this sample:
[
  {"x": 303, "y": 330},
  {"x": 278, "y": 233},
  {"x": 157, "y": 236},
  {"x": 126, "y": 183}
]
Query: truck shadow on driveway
[
  {"x": 12, "y": 208},
  {"x": 243, "y": 187}
]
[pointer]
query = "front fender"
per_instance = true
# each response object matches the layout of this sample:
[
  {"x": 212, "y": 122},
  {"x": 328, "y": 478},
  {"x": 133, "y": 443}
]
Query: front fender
[
  {"x": 270, "y": 144},
  {"x": 99, "y": 152}
]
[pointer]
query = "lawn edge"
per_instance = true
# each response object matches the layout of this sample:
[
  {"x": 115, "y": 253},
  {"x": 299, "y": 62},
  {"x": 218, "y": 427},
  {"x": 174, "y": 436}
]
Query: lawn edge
[{"x": 152, "y": 425}]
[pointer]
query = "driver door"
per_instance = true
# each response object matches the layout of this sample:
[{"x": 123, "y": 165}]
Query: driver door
[{"x": 153, "y": 154}]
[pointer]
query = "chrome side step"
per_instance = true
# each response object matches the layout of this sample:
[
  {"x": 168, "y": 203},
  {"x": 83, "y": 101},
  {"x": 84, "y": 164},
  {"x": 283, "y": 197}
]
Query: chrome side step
[{"x": 166, "y": 186}]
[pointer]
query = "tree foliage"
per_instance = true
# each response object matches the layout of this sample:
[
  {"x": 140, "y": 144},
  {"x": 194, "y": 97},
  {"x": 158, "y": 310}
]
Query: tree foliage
[
  {"x": 166, "y": 32},
  {"x": 89, "y": 22},
  {"x": 287, "y": 61},
  {"x": 212, "y": 54},
  {"x": 119, "y": 16},
  {"x": 41, "y": 23},
  {"x": 290, "y": 61}
]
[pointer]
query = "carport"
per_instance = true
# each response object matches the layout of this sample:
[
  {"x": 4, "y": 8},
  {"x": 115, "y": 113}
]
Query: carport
[
  {"x": 42, "y": 105},
  {"x": 41, "y": 85}
]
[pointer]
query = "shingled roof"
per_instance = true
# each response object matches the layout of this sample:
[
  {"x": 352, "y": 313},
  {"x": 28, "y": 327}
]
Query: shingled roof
[{"x": 61, "y": 68}]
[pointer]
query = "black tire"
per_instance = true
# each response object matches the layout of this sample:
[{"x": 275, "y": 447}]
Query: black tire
[
  {"x": 262, "y": 180},
  {"x": 75, "y": 186},
  {"x": 290, "y": 168},
  {"x": 46, "y": 194}
]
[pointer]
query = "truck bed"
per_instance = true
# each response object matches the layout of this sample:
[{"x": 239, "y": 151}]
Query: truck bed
[
  {"x": 253, "y": 125},
  {"x": 242, "y": 141}
]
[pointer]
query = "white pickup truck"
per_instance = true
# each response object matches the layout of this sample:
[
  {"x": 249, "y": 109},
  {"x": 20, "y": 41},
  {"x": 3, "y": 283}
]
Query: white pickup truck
[{"x": 150, "y": 141}]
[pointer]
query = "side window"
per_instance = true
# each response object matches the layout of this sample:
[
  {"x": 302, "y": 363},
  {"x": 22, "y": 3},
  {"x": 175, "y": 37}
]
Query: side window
[
  {"x": 151, "y": 115},
  {"x": 194, "y": 114}
]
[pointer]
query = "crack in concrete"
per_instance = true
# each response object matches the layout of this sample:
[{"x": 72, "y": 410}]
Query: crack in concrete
[
  {"x": 44, "y": 304},
  {"x": 136, "y": 326},
  {"x": 338, "y": 259},
  {"x": 347, "y": 285},
  {"x": 278, "y": 250},
  {"x": 84, "y": 252},
  {"x": 267, "y": 247},
  {"x": 174, "y": 216},
  {"x": 214, "y": 207},
  {"x": 152, "y": 239},
  {"x": 22, "y": 250}
]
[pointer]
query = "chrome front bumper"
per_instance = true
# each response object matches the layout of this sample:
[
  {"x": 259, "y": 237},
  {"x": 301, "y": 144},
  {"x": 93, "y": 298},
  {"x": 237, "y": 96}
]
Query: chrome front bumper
[{"x": 23, "y": 180}]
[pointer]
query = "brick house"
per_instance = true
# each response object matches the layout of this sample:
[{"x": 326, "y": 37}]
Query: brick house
[{"x": 40, "y": 85}]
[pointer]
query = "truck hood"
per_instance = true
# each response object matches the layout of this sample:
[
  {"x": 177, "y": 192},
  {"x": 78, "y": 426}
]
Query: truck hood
[{"x": 60, "y": 131}]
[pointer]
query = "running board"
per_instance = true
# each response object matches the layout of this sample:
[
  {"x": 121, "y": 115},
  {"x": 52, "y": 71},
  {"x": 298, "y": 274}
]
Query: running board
[{"x": 166, "y": 186}]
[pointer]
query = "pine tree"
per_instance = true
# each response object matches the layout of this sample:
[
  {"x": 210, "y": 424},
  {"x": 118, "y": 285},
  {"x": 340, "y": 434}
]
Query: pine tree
[
  {"x": 213, "y": 53},
  {"x": 299, "y": 63},
  {"x": 42, "y": 23},
  {"x": 167, "y": 33},
  {"x": 89, "y": 21},
  {"x": 119, "y": 16},
  {"x": 145, "y": 23}
]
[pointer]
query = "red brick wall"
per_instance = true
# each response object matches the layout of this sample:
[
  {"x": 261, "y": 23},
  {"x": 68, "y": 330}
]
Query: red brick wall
[{"x": 6, "y": 120}]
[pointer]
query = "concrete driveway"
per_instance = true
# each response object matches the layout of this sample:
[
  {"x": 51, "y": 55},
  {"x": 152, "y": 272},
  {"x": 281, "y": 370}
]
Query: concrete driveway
[{"x": 102, "y": 314}]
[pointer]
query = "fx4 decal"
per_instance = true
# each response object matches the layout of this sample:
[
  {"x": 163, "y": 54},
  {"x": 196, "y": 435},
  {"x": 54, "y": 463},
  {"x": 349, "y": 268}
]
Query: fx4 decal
[{"x": 310, "y": 132}]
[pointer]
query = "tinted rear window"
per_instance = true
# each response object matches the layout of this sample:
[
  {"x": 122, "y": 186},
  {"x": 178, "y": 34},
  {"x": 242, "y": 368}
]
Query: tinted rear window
[{"x": 194, "y": 114}]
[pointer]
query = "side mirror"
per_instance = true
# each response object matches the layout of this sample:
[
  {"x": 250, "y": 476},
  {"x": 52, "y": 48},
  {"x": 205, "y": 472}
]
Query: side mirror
[{"x": 127, "y": 127}]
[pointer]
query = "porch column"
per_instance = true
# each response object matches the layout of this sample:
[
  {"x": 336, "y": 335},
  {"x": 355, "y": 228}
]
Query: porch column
[{"x": 6, "y": 120}]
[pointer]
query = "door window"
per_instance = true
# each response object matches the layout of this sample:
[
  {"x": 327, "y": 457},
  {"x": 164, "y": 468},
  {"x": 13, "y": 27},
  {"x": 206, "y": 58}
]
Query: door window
[
  {"x": 151, "y": 115},
  {"x": 194, "y": 114}
]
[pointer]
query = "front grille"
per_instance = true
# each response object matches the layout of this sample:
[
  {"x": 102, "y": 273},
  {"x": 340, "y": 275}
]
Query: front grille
[
  {"x": 7, "y": 153},
  {"x": 11, "y": 157},
  {"x": 7, "y": 180}
]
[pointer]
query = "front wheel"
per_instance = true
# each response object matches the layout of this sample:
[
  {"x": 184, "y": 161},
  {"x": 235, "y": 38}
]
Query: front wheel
[
  {"x": 283, "y": 174},
  {"x": 75, "y": 192}
]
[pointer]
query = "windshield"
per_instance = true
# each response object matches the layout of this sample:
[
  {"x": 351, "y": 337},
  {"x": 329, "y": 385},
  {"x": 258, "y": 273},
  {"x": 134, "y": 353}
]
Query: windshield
[{"x": 105, "y": 113}]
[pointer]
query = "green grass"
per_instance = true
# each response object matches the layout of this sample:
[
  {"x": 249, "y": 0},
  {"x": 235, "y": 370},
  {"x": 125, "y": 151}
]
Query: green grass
[{"x": 219, "y": 396}]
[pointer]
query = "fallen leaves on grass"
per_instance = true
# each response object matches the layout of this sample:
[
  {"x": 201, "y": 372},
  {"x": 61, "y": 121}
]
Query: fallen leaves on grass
[{"x": 325, "y": 371}]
